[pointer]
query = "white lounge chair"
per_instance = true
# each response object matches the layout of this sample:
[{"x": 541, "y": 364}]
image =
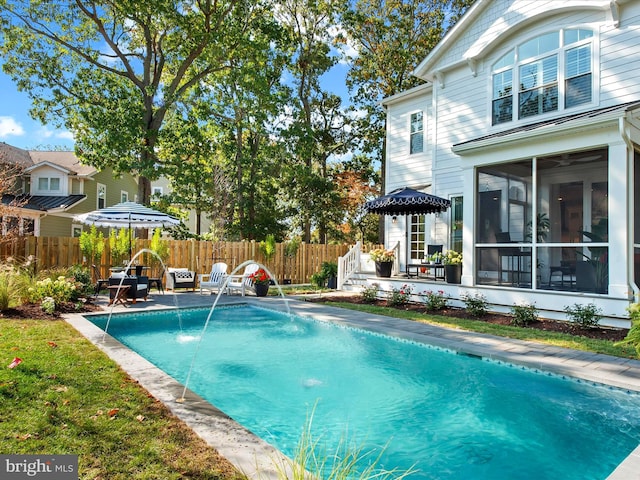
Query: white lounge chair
[
  {"x": 243, "y": 282},
  {"x": 214, "y": 279}
]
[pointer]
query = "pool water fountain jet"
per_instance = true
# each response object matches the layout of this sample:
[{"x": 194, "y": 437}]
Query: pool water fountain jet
[
  {"x": 175, "y": 298},
  {"x": 213, "y": 307}
]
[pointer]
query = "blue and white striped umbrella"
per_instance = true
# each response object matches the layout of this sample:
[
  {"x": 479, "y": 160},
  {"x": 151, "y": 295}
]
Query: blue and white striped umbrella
[{"x": 127, "y": 215}]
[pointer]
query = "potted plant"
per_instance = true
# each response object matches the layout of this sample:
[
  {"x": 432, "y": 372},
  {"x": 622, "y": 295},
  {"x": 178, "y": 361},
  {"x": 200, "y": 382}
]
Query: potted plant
[
  {"x": 384, "y": 261},
  {"x": 452, "y": 262},
  {"x": 330, "y": 272},
  {"x": 261, "y": 280}
]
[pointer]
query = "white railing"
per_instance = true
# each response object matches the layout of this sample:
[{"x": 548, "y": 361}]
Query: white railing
[{"x": 349, "y": 264}]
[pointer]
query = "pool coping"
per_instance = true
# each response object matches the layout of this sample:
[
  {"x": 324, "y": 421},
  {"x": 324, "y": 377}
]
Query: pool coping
[{"x": 259, "y": 460}]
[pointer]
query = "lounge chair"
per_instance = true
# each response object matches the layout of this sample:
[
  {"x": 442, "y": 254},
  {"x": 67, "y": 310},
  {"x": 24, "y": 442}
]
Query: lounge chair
[
  {"x": 242, "y": 282},
  {"x": 214, "y": 279}
]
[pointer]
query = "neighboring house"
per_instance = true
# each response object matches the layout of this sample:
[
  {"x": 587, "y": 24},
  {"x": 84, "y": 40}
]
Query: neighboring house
[
  {"x": 529, "y": 122},
  {"x": 55, "y": 186},
  {"x": 162, "y": 186}
]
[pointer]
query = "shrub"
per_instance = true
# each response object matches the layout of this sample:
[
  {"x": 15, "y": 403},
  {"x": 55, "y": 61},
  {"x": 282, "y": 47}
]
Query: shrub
[
  {"x": 587, "y": 316},
  {"x": 370, "y": 294},
  {"x": 524, "y": 314},
  {"x": 399, "y": 296},
  {"x": 83, "y": 280},
  {"x": 48, "y": 305},
  {"x": 15, "y": 279},
  {"x": 633, "y": 337},
  {"x": 435, "y": 300},
  {"x": 475, "y": 305},
  {"x": 60, "y": 290}
]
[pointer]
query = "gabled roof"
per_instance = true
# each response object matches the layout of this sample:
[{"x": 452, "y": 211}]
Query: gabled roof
[
  {"x": 545, "y": 126},
  {"x": 66, "y": 160},
  {"x": 17, "y": 156},
  {"x": 42, "y": 203}
]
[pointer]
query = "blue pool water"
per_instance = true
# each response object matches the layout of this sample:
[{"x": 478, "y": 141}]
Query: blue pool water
[{"x": 450, "y": 416}]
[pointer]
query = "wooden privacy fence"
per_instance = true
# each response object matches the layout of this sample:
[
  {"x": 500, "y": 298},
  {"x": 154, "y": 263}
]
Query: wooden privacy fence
[{"x": 195, "y": 255}]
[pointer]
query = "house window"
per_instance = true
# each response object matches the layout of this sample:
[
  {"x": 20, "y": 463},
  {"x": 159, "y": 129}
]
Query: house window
[
  {"x": 124, "y": 196},
  {"x": 417, "y": 237},
  {"x": 49, "y": 184},
  {"x": 455, "y": 229},
  {"x": 563, "y": 244},
  {"x": 417, "y": 133},
  {"x": 552, "y": 72},
  {"x": 156, "y": 192},
  {"x": 76, "y": 231},
  {"x": 101, "y": 196}
]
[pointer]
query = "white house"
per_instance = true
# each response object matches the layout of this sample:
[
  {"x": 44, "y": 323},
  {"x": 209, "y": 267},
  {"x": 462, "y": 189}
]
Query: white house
[{"x": 529, "y": 122}]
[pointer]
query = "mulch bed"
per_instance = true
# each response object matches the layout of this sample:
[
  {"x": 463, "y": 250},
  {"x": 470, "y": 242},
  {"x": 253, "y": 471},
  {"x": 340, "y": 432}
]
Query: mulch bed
[
  {"x": 34, "y": 311},
  {"x": 600, "y": 333}
]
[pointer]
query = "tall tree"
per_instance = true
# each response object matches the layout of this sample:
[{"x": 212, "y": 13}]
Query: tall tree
[
  {"x": 318, "y": 124},
  {"x": 109, "y": 71},
  {"x": 390, "y": 37}
]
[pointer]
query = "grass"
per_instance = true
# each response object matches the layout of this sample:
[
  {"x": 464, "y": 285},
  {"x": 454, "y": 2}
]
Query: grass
[
  {"x": 508, "y": 331},
  {"x": 67, "y": 397}
]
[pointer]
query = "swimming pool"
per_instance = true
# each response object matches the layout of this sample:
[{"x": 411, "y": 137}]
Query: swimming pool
[{"x": 452, "y": 415}]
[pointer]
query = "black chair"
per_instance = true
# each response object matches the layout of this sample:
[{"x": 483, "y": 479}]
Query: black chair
[
  {"x": 157, "y": 282},
  {"x": 100, "y": 282},
  {"x": 431, "y": 249},
  {"x": 138, "y": 286}
]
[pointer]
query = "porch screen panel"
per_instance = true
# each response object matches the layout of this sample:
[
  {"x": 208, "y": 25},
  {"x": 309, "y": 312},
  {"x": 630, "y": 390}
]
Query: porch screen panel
[
  {"x": 417, "y": 237},
  {"x": 455, "y": 241},
  {"x": 572, "y": 204},
  {"x": 636, "y": 218},
  {"x": 503, "y": 238}
]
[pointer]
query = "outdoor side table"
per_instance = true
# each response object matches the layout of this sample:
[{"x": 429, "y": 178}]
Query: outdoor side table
[{"x": 119, "y": 296}]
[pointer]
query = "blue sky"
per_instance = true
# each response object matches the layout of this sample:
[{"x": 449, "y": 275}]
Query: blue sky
[{"x": 18, "y": 129}]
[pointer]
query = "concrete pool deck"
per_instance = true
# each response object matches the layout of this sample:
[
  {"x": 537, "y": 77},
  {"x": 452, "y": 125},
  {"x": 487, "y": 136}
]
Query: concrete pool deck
[{"x": 257, "y": 459}]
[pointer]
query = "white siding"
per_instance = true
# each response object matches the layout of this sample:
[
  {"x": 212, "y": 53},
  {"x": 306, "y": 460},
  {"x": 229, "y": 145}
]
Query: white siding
[{"x": 408, "y": 169}]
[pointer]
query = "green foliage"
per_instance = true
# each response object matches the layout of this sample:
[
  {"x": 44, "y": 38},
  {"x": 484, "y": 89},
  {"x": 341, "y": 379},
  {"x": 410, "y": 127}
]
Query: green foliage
[
  {"x": 15, "y": 280},
  {"x": 92, "y": 245},
  {"x": 83, "y": 281},
  {"x": 119, "y": 243},
  {"x": 476, "y": 305},
  {"x": 370, "y": 293},
  {"x": 633, "y": 337},
  {"x": 524, "y": 314},
  {"x": 399, "y": 296},
  {"x": 60, "y": 290},
  {"x": 268, "y": 247},
  {"x": 587, "y": 316},
  {"x": 435, "y": 300},
  {"x": 348, "y": 461},
  {"x": 327, "y": 270},
  {"x": 159, "y": 246}
]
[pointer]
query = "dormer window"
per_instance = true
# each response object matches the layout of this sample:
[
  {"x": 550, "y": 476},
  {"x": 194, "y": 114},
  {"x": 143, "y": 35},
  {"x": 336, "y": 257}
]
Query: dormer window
[
  {"x": 552, "y": 72},
  {"x": 49, "y": 184}
]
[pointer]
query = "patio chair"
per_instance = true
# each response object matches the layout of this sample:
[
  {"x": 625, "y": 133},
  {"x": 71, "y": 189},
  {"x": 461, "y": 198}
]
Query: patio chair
[
  {"x": 180, "y": 278},
  {"x": 101, "y": 283},
  {"x": 214, "y": 279},
  {"x": 157, "y": 282},
  {"x": 242, "y": 282},
  {"x": 138, "y": 286}
]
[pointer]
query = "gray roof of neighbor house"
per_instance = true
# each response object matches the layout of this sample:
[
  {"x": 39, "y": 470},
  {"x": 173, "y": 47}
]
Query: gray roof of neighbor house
[
  {"x": 42, "y": 202},
  {"x": 29, "y": 160}
]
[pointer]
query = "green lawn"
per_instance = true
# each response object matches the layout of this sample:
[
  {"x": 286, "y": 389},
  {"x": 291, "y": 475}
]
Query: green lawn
[
  {"x": 508, "y": 331},
  {"x": 67, "y": 397}
]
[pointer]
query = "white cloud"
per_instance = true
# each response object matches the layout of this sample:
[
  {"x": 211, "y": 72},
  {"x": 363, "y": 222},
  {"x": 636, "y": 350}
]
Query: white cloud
[
  {"x": 65, "y": 135},
  {"x": 9, "y": 127}
]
